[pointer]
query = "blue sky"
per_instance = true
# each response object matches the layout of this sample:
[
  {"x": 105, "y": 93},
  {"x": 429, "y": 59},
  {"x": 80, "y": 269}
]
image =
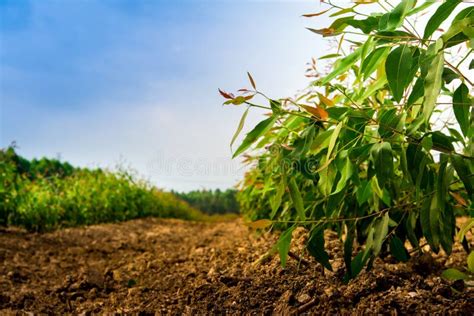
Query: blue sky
[{"x": 135, "y": 82}]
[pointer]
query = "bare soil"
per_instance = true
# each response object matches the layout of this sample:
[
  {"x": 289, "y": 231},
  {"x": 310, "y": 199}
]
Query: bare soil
[{"x": 176, "y": 267}]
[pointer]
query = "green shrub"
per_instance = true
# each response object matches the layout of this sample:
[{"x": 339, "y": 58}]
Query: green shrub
[
  {"x": 360, "y": 151},
  {"x": 44, "y": 198}
]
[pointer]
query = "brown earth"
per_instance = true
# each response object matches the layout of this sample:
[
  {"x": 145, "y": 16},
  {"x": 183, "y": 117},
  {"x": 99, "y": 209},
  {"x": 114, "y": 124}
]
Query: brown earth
[{"x": 175, "y": 267}]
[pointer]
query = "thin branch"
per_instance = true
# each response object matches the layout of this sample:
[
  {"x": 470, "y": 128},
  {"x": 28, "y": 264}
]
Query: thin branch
[{"x": 459, "y": 72}]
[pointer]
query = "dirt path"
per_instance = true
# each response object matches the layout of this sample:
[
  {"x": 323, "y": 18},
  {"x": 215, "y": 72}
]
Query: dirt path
[{"x": 171, "y": 266}]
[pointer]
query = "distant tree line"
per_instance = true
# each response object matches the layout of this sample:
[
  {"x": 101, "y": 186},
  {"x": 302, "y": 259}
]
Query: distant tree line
[
  {"x": 212, "y": 201},
  {"x": 43, "y": 167}
]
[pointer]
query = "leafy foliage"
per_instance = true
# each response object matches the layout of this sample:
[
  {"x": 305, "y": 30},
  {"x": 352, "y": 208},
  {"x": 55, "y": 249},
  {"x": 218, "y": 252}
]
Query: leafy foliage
[
  {"x": 454, "y": 274},
  {"x": 370, "y": 149},
  {"x": 45, "y": 194}
]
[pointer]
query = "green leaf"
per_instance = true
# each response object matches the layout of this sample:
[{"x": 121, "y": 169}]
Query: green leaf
[
  {"x": 417, "y": 92},
  {"x": 382, "y": 157},
  {"x": 410, "y": 226},
  {"x": 465, "y": 228},
  {"x": 343, "y": 65},
  {"x": 348, "y": 253},
  {"x": 261, "y": 128},
  {"x": 329, "y": 56},
  {"x": 470, "y": 262},
  {"x": 360, "y": 153},
  {"x": 283, "y": 245},
  {"x": 398, "y": 249},
  {"x": 388, "y": 123},
  {"x": 426, "y": 224},
  {"x": 332, "y": 140},
  {"x": 275, "y": 106},
  {"x": 393, "y": 19},
  {"x": 465, "y": 13},
  {"x": 454, "y": 274},
  {"x": 420, "y": 8},
  {"x": 337, "y": 112},
  {"x": 321, "y": 141},
  {"x": 391, "y": 37},
  {"x": 442, "y": 185},
  {"x": 447, "y": 226},
  {"x": 340, "y": 24},
  {"x": 459, "y": 32},
  {"x": 346, "y": 173},
  {"x": 239, "y": 128},
  {"x": 443, "y": 219},
  {"x": 456, "y": 135},
  {"x": 296, "y": 198},
  {"x": 315, "y": 247},
  {"x": 366, "y": 25},
  {"x": 397, "y": 67},
  {"x": 327, "y": 175},
  {"x": 358, "y": 263},
  {"x": 373, "y": 60},
  {"x": 459, "y": 38},
  {"x": 371, "y": 89},
  {"x": 433, "y": 81},
  {"x": 435, "y": 211},
  {"x": 369, "y": 243},
  {"x": 381, "y": 231},
  {"x": 461, "y": 105},
  {"x": 427, "y": 142},
  {"x": 237, "y": 100},
  {"x": 401, "y": 151},
  {"x": 417, "y": 160},
  {"x": 462, "y": 169},
  {"x": 439, "y": 17},
  {"x": 375, "y": 187},
  {"x": 449, "y": 75},
  {"x": 364, "y": 192},
  {"x": 442, "y": 142},
  {"x": 342, "y": 11},
  {"x": 275, "y": 201}
]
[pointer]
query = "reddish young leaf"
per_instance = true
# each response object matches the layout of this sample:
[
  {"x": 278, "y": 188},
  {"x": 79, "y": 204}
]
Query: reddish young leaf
[
  {"x": 324, "y": 32},
  {"x": 318, "y": 112},
  {"x": 342, "y": 77},
  {"x": 310, "y": 15},
  {"x": 325, "y": 100},
  {"x": 287, "y": 147},
  {"x": 259, "y": 185},
  {"x": 252, "y": 82},
  {"x": 459, "y": 199},
  {"x": 226, "y": 95},
  {"x": 247, "y": 160}
]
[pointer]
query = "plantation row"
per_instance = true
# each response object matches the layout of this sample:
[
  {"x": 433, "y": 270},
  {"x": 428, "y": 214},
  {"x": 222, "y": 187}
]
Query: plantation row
[
  {"x": 46, "y": 194},
  {"x": 381, "y": 147}
]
